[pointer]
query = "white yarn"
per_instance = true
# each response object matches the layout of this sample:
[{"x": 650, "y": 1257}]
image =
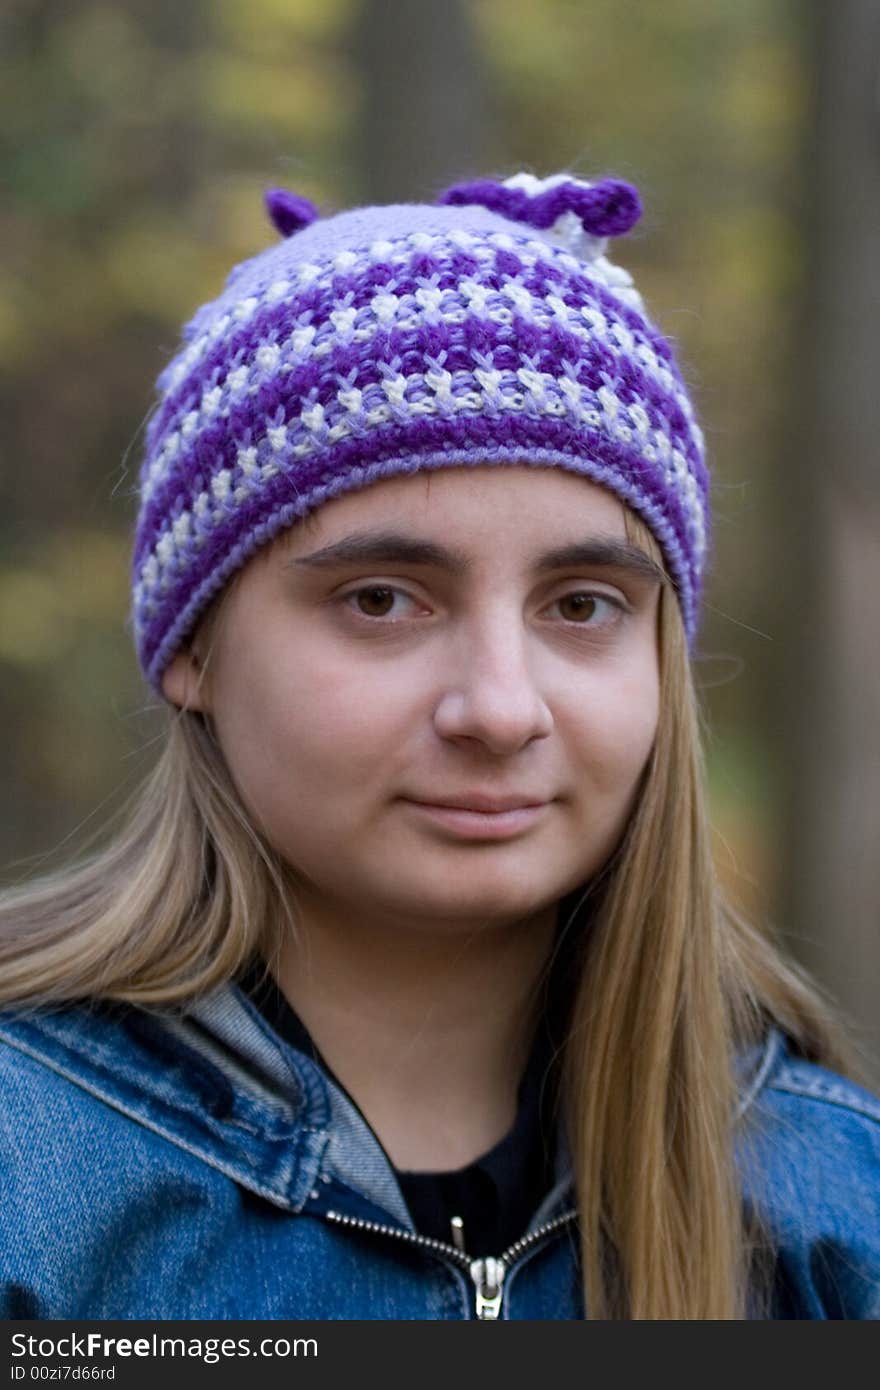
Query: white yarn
[{"x": 568, "y": 232}]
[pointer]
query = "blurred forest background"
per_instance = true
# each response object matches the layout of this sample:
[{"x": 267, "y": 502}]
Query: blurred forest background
[{"x": 137, "y": 138}]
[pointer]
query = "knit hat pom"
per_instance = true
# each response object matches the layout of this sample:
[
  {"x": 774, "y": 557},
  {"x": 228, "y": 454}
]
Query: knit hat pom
[
  {"x": 289, "y": 212},
  {"x": 577, "y": 214}
]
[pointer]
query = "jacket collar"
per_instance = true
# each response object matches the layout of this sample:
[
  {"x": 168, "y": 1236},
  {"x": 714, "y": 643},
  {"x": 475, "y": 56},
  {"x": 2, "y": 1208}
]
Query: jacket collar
[
  {"x": 217, "y": 1082},
  {"x": 213, "y": 1081}
]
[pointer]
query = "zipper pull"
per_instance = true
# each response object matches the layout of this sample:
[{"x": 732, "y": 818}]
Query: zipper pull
[{"x": 488, "y": 1276}]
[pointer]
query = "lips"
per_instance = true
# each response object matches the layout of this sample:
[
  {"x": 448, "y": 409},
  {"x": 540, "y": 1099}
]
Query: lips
[
  {"x": 492, "y": 818},
  {"x": 483, "y": 801}
]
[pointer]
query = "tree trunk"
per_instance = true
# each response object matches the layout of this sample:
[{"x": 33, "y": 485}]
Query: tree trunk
[
  {"x": 832, "y": 507},
  {"x": 423, "y": 119}
]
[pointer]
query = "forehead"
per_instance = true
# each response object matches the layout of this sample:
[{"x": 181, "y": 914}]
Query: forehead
[{"x": 510, "y": 503}]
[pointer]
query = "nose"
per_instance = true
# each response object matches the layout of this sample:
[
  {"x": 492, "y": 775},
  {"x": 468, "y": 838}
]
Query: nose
[{"x": 490, "y": 694}]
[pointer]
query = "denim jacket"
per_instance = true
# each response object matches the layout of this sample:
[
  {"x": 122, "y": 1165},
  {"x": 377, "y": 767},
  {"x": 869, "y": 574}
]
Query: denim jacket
[{"x": 194, "y": 1165}]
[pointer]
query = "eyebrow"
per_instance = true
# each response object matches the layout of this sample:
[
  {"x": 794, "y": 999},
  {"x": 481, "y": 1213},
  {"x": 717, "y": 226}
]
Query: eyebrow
[{"x": 393, "y": 547}]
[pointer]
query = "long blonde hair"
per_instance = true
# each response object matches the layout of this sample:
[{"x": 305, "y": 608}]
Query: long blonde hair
[{"x": 673, "y": 983}]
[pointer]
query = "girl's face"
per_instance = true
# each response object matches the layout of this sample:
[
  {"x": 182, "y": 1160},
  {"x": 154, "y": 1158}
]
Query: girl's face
[{"x": 478, "y": 638}]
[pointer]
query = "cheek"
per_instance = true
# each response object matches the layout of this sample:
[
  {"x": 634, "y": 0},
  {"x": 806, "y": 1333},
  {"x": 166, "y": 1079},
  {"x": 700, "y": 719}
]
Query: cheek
[
  {"x": 617, "y": 734},
  {"x": 299, "y": 738}
]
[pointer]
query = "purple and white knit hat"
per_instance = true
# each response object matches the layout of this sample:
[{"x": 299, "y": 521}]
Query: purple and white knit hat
[{"x": 487, "y": 328}]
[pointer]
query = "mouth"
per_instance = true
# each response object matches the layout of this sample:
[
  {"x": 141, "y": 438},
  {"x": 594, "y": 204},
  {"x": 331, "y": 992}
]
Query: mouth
[
  {"x": 484, "y": 801},
  {"x": 474, "y": 821}
]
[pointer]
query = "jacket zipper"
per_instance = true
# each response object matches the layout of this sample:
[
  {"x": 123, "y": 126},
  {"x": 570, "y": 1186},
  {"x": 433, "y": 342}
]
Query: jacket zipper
[{"x": 487, "y": 1273}]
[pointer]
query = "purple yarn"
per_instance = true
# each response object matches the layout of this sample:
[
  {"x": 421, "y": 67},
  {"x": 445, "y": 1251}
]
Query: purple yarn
[
  {"x": 289, "y": 211},
  {"x": 385, "y": 340},
  {"x": 593, "y": 362},
  {"x": 609, "y": 208},
  {"x": 574, "y": 290}
]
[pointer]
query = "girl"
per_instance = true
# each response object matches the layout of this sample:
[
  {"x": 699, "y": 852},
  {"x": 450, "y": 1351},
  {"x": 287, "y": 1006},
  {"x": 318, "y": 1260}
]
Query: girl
[{"x": 407, "y": 990}]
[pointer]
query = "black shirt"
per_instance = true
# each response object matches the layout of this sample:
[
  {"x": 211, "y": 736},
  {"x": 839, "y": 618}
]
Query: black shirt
[{"x": 497, "y": 1194}]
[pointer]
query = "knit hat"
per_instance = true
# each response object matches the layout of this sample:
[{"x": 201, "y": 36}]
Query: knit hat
[{"x": 486, "y": 328}]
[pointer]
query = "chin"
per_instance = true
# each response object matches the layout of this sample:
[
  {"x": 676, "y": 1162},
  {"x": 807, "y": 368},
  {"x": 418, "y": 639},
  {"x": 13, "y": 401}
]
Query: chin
[{"x": 470, "y": 900}]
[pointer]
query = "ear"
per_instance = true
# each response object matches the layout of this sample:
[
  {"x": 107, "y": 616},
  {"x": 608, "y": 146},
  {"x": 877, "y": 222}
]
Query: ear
[{"x": 180, "y": 682}]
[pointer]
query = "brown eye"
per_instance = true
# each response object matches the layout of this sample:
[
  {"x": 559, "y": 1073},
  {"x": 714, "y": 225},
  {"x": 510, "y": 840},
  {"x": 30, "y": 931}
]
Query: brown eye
[
  {"x": 380, "y": 606},
  {"x": 578, "y": 607},
  {"x": 590, "y": 610},
  {"x": 375, "y": 602}
]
